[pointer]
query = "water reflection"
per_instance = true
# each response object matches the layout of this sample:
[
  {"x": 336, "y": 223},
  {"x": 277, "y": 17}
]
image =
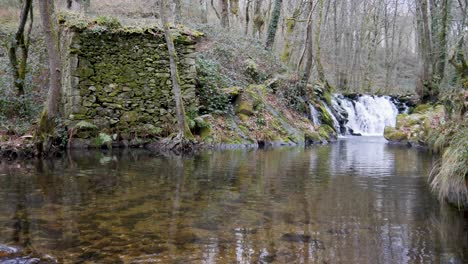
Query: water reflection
[{"x": 357, "y": 201}]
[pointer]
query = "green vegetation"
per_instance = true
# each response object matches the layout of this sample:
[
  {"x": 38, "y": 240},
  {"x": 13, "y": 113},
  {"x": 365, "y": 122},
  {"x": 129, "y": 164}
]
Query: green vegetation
[{"x": 450, "y": 178}]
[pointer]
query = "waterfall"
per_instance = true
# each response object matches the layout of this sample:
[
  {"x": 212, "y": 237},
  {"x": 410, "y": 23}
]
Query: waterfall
[
  {"x": 367, "y": 115},
  {"x": 314, "y": 115}
]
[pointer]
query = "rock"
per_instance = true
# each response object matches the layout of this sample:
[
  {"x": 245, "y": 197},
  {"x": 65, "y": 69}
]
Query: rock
[
  {"x": 6, "y": 251},
  {"x": 84, "y": 129},
  {"x": 244, "y": 106},
  {"x": 393, "y": 135},
  {"x": 79, "y": 143},
  {"x": 233, "y": 91},
  {"x": 129, "y": 117},
  {"x": 312, "y": 137}
]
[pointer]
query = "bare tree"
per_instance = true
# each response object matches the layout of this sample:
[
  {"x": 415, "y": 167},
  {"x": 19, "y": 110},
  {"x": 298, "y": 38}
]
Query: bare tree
[
  {"x": 184, "y": 130},
  {"x": 47, "y": 10},
  {"x": 273, "y": 26},
  {"x": 224, "y": 13},
  {"x": 258, "y": 19},
  {"x": 177, "y": 10},
  {"x": 204, "y": 11},
  {"x": 21, "y": 42}
]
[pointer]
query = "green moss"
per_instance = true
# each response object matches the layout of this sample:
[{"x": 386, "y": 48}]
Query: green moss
[
  {"x": 394, "y": 135},
  {"x": 326, "y": 131},
  {"x": 312, "y": 137},
  {"x": 422, "y": 108},
  {"x": 325, "y": 116},
  {"x": 327, "y": 96},
  {"x": 110, "y": 22},
  {"x": 244, "y": 106}
]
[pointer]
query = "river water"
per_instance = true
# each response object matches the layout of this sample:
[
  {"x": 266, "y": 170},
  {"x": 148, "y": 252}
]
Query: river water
[{"x": 359, "y": 200}]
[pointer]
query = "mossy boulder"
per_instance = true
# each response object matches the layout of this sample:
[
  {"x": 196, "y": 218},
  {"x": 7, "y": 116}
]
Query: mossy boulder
[
  {"x": 312, "y": 137},
  {"x": 84, "y": 129},
  {"x": 394, "y": 135},
  {"x": 244, "y": 106},
  {"x": 327, "y": 132},
  {"x": 233, "y": 91},
  {"x": 129, "y": 117}
]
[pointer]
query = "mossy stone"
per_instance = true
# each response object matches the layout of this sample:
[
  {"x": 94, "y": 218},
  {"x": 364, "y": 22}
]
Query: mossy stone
[
  {"x": 244, "y": 106},
  {"x": 394, "y": 135}
]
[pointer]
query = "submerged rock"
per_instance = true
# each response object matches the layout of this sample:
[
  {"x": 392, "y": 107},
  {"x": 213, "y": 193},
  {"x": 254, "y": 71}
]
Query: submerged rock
[
  {"x": 6, "y": 251},
  {"x": 293, "y": 237}
]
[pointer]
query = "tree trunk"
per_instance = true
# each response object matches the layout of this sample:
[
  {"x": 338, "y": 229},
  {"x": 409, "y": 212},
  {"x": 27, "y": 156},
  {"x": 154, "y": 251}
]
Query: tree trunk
[
  {"x": 290, "y": 26},
  {"x": 234, "y": 4},
  {"x": 308, "y": 48},
  {"x": 442, "y": 39},
  {"x": 258, "y": 19},
  {"x": 46, "y": 8},
  {"x": 184, "y": 130},
  {"x": 247, "y": 17},
  {"x": 177, "y": 11},
  {"x": 203, "y": 11},
  {"x": 318, "y": 61},
  {"x": 224, "y": 13},
  {"x": 22, "y": 42},
  {"x": 215, "y": 10},
  {"x": 272, "y": 28},
  {"x": 424, "y": 87}
]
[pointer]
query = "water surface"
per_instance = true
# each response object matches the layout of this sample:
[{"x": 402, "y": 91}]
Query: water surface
[{"x": 356, "y": 201}]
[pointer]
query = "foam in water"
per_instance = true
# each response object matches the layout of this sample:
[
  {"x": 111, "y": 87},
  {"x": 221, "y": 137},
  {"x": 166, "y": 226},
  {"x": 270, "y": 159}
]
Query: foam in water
[{"x": 369, "y": 115}]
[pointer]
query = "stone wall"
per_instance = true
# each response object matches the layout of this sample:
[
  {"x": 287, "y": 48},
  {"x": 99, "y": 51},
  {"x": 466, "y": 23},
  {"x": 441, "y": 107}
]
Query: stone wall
[{"x": 119, "y": 80}]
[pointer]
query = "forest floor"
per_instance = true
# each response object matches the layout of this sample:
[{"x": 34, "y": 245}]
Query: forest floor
[{"x": 245, "y": 95}]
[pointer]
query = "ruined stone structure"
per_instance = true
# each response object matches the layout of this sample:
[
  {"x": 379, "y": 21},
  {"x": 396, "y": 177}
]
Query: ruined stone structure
[{"x": 118, "y": 78}]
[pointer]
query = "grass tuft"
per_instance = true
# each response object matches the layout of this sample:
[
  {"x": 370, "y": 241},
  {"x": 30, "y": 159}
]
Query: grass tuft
[{"x": 449, "y": 177}]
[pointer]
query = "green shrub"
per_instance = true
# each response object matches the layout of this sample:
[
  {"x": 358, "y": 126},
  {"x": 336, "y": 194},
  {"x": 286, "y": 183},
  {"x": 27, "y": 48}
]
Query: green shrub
[{"x": 209, "y": 85}]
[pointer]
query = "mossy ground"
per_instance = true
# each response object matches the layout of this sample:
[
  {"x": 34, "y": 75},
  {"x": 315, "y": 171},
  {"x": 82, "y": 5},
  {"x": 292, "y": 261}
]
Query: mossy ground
[{"x": 268, "y": 121}]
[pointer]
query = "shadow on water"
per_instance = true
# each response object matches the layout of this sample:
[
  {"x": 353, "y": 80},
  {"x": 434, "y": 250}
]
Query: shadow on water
[{"x": 356, "y": 201}]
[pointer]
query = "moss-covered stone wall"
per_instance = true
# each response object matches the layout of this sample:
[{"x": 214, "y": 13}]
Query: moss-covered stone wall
[{"x": 119, "y": 80}]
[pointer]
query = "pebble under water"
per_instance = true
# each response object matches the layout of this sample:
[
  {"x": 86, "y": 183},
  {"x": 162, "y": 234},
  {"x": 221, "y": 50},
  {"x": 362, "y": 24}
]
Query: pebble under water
[{"x": 359, "y": 200}]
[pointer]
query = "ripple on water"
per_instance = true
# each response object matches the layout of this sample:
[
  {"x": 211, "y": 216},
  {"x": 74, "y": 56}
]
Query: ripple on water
[{"x": 350, "y": 202}]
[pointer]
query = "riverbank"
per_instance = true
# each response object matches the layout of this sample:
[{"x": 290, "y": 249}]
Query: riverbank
[{"x": 443, "y": 129}]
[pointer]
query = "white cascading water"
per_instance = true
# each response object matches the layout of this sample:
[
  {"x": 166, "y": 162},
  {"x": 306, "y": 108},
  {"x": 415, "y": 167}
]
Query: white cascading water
[
  {"x": 369, "y": 115},
  {"x": 314, "y": 115}
]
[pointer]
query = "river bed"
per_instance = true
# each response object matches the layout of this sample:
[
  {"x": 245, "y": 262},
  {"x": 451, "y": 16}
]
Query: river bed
[{"x": 358, "y": 200}]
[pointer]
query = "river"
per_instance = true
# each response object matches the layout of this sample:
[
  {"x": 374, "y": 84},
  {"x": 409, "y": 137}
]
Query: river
[{"x": 358, "y": 200}]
